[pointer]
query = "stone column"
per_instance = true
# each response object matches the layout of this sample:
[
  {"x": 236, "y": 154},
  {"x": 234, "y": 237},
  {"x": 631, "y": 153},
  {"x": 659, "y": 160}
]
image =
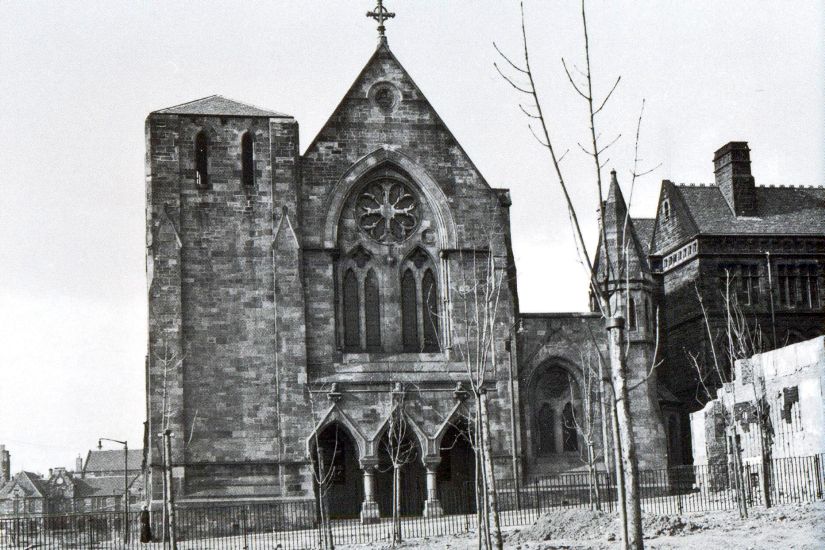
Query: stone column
[
  {"x": 369, "y": 508},
  {"x": 432, "y": 506}
]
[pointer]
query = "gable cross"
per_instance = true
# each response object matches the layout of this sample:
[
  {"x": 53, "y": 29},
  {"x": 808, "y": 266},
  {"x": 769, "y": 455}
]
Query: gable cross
[{"x": 380, "y": 14}]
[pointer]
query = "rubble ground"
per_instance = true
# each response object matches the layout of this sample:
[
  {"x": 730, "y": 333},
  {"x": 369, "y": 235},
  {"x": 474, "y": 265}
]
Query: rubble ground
[{"x": 800, "y": 527}]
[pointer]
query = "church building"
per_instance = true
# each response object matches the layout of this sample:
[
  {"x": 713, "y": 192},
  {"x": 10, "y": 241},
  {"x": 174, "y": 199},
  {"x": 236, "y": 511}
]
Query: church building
[{"x": 297, "y": 300}]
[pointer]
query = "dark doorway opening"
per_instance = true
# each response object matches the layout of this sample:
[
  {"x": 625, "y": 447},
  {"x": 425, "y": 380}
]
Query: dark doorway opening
[
  {"x": 340, "y": 473},
  {"x": 413, "y": 476},
  {"x": 456, "y": 471}
]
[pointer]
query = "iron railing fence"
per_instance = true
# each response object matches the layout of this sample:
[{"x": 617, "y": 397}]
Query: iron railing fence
[{"x": 295, "y": 524}]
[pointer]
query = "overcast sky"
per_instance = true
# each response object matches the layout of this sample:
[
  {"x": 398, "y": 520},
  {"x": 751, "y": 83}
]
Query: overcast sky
[{"x": 77, "y": 80}]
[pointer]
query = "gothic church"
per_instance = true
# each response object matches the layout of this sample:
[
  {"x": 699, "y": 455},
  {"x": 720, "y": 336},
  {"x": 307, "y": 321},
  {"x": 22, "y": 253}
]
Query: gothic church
[{"x": 296, "y": 298}]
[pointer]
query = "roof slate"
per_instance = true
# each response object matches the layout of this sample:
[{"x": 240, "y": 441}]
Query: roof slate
[
  {"x": 109, "y": 461},
  {"x": 105, "y": 486},
  {"x": 780, "y": 210},
  {"x": 644, "y": 230},
  {"x": 217, "y": 105}
]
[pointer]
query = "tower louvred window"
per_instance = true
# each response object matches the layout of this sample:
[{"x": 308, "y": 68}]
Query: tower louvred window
[
  {"x": 247, "y": 160},
  {"x": 202, "y": 159}
]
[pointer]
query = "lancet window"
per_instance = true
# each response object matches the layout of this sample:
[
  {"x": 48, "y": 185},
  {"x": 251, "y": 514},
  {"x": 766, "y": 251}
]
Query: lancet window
[
  {"x": 247, "y": 160},
  {"x": 419, "y": 303},
  {"x": 360, "y": 303},
  {"x": 202, "y": 159}
]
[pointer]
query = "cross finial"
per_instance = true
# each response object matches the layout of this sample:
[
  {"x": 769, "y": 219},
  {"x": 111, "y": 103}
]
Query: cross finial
[{"x": 380, "y": 14}]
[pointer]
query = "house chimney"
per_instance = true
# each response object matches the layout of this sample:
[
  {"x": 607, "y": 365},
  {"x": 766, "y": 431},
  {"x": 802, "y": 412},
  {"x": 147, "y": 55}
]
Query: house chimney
[
  {"x": 732, "y": 166},
  {"x": 78, "y": 464},
  {"x": 5, "y": 465}
]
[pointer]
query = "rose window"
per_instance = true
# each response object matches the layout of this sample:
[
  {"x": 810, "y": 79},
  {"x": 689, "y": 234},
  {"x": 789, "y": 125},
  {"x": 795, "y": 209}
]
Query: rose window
[{"x": 387, "y": 211}]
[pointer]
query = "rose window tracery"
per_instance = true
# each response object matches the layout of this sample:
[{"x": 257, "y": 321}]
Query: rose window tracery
[{"x": 387, "y": 211}]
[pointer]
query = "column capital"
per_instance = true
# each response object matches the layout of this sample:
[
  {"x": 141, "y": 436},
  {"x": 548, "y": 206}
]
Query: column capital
[{"x": 368, "y": 463}]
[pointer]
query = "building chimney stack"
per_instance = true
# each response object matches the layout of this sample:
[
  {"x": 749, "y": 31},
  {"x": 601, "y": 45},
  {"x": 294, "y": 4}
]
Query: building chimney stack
[
  {"x": 732, "y": 167},
  {"x": 78, "y": 464},
  {"x": 5, "y": 465}
]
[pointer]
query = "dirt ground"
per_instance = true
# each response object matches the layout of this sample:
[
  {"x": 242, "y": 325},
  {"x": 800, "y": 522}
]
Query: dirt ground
[{"x": 800, "y": 527}]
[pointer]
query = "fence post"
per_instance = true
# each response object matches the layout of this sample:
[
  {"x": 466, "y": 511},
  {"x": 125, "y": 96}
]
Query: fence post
[{"x": 243, "y": 522}]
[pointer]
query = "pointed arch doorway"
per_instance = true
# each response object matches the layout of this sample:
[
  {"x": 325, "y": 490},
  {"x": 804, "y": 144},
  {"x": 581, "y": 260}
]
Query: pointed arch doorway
[
  {"x": 456, "y": 472},
  {"x": 413, "y": 483},
  {"x": 336, "y": 466}
]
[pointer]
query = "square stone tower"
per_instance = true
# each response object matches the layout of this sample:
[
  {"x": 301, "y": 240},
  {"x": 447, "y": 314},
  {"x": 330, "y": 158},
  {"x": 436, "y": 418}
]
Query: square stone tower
[{"x": 224, "y": 288}]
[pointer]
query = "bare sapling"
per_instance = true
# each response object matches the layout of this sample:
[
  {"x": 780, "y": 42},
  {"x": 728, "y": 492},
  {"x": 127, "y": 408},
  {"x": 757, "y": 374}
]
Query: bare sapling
[
  {"x": 399, "y": 446},
  {"x": 475, "y": 339},
  {"x": 323, "y": 472}
]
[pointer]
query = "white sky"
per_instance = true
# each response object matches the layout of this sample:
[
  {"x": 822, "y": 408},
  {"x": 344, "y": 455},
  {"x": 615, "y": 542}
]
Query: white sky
[{"x": 77, "y": 80}]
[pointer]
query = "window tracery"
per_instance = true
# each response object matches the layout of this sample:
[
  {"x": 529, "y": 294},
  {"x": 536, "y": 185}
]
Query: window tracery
[
  {"x": 388, "y": 285},
  {"x": 387, "y": 211}
]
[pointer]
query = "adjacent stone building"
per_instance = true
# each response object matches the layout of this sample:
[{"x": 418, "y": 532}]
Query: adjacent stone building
[
  {"x": 791, "y": 381},
  {"x": 297, "y": 300}
]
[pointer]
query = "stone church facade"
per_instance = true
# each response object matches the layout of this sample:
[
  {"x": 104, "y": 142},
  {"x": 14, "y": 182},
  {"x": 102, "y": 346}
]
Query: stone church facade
[{"x": 298, "y": 299}]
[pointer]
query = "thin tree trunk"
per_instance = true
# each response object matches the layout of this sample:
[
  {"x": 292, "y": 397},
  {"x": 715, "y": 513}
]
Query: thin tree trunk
[
  {"x": 634, "y": 540},
  {"x": 617, "y": 457},
  {"x": 478, "y": 490},
  {"x": 485, "y": 490},
  {"x": 602, "y": 396},
  {"x": 396, "y": 505},
  {"x": 490, "y": 475}
]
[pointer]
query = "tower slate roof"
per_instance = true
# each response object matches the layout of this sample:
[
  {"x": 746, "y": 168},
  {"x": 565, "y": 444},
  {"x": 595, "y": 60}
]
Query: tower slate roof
[
  {"x": 638, "y": 244},
  {"x": 217, "y": 105}
]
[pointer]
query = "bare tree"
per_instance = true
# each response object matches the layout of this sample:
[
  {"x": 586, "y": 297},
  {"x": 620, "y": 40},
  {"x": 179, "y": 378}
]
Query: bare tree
[
  {"x": 170, "y": 363},
  {"x": 323, "y": 471},
  {"x": 477, "y": 302},
  {"x": 607, "y": 299},
  {"x": 741, "y": 339},
  {"x": 401, "y": 449},
  {"x": 583, "y": 421}
]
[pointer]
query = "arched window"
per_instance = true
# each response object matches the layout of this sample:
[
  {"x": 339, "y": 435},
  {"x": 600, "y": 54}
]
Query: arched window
[
  {"x": 666, "y": 209},
  {"x": 631, "y": 314},
  {"x": 409, "y": 316},
  {"x": 391, "y": 238},
  {"x": 352, "y": 317},
  {"x": 555, "y": 402},
  {"x": 546, "y": 430},
  {"x": 568, "y": 429},
  {"x": 372, "y": 312},
  {"x": 247, "y": 160},
  {"x": 429, "y": 311},
  {"x": 419, "y": 303},
  {"x": 202, "y": 159}
]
